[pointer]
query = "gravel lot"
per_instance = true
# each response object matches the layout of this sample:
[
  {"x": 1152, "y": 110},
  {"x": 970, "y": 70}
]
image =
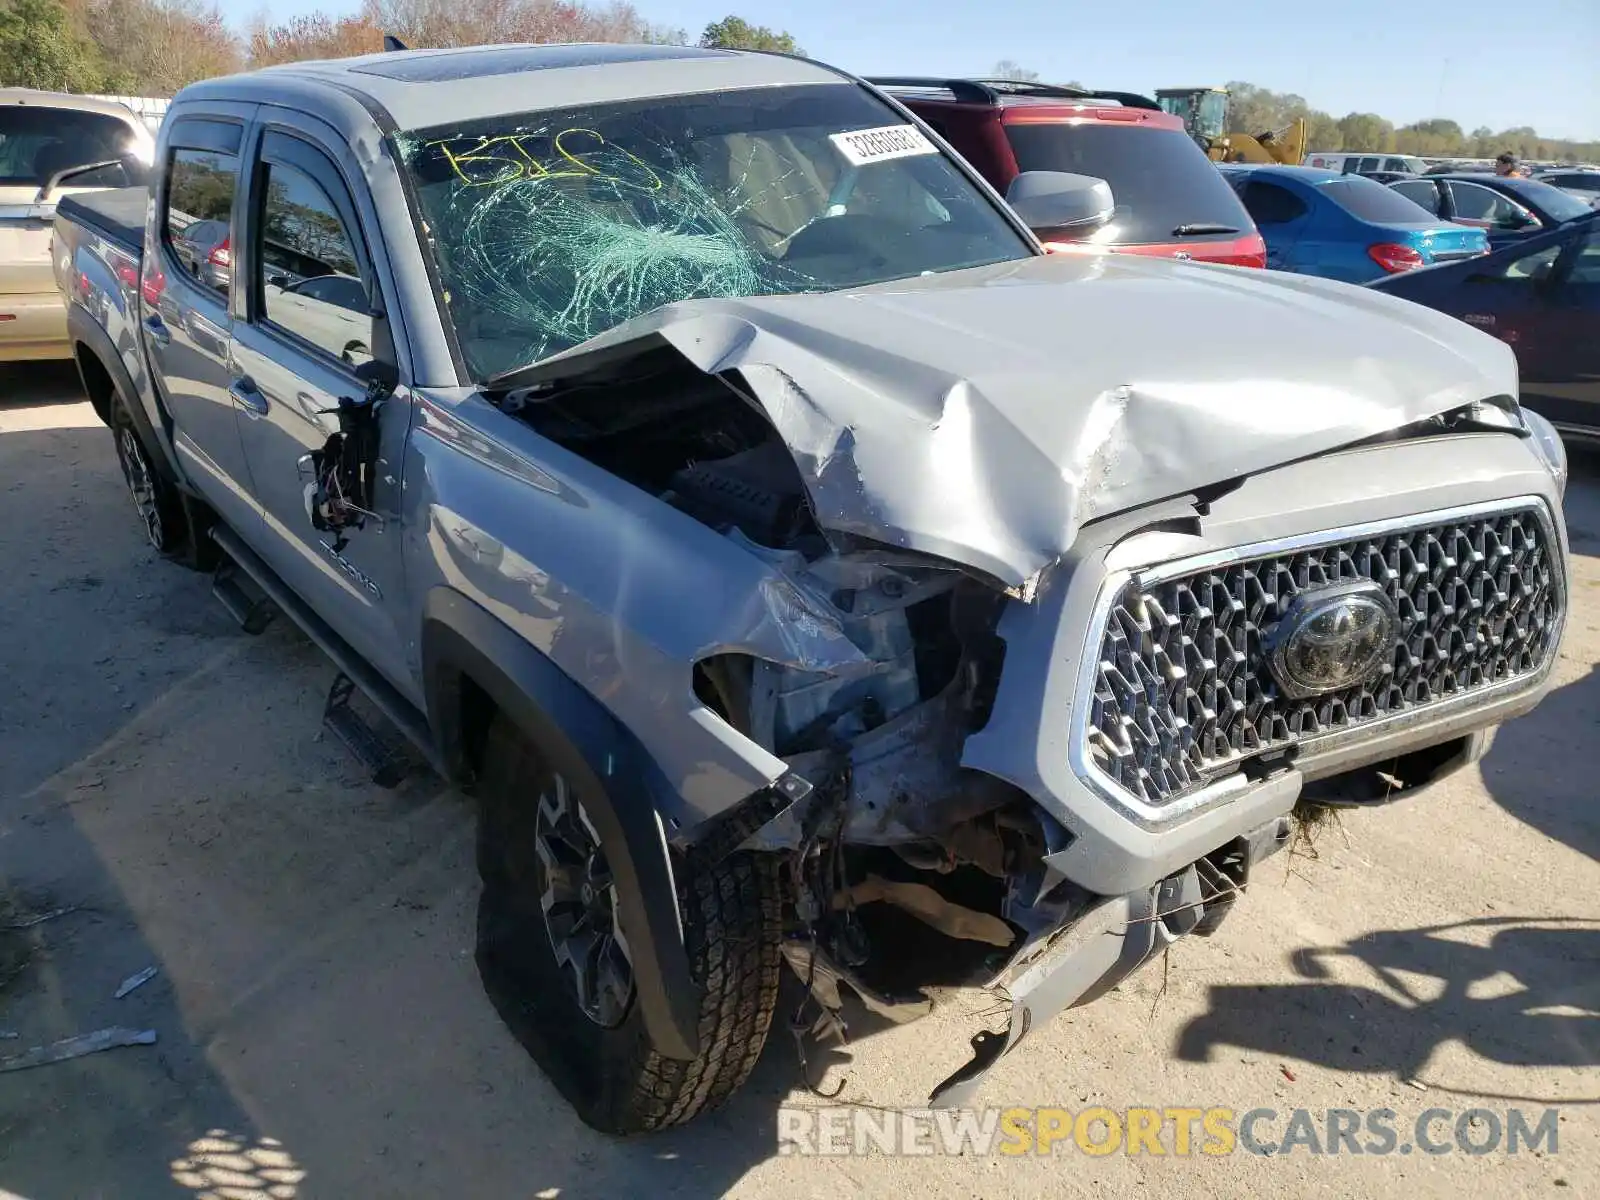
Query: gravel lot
[{"x": 322, "y": 1032}]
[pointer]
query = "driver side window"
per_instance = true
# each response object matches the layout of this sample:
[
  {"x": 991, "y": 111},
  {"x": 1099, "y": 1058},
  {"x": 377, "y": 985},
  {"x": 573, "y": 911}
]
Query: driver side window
[
  {"x": 1586, "y": 267},
  {"x": 1530, "y": 268},
  {"x": 308, "y": 277},
  {"x": 1476, "y": 203}
]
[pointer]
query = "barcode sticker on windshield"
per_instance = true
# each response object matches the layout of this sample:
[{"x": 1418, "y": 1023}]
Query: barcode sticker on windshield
[{"x": 863, "y": 146}]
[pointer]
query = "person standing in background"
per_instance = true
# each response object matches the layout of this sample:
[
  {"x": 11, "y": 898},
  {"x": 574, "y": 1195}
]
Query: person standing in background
[{"x": 1507, "y": 164}]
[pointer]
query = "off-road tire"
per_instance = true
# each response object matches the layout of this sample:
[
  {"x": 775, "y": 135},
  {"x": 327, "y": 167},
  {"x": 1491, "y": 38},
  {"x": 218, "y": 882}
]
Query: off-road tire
[
  {"x": 175, "y": 525},
  {"x": 615, "y": 1078}
]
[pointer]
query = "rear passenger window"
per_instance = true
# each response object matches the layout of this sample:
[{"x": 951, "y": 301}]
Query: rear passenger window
[
  {"x": 1269, "y": 204},
  {"x": 1420, "y": 193},
  {"x": 200, "y": 188},
  {"x": 311, "y": 285}
]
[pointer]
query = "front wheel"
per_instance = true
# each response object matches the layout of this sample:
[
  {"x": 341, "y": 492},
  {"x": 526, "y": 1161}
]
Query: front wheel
[{"x": 554, "y": 957}]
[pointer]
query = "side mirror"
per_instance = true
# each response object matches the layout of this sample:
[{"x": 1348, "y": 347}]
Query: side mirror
[
  {"x": 356, "y": 354},
  {"x": 278, "y": 280},
  {"x": 59, "y": 180},
  {"x": 1058, "y": 205}
]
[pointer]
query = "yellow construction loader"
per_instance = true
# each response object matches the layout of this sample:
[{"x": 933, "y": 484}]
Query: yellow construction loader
[{"x": 1204, "y": 113}]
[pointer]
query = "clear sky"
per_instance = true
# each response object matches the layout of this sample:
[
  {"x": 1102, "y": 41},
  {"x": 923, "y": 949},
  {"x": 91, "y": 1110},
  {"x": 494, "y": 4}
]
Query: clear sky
[{"x": 1499, "y": 63}]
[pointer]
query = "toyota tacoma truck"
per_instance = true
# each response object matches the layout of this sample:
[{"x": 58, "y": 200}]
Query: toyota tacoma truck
[{"x": 703, "y": 466}]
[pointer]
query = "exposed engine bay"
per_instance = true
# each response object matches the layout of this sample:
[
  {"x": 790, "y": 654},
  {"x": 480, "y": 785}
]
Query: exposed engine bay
[
  {"x": 925, "y": 628},
  {"x": 908, "y": 871}
]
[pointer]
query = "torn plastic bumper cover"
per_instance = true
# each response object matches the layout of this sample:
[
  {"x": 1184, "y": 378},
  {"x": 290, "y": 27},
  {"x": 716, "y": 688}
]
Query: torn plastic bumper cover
[{"x": 1084, "y": 960}]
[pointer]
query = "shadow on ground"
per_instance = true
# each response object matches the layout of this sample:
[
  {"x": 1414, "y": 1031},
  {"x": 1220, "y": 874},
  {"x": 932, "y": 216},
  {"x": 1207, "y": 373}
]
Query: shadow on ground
[
  {"x": 321, "y": 1028},
  {"x": 40, "y": 383},
  {"x": 74, "y": 593},
  {"x": 1513, "y": 990},
  {"x": 1531, "y": 770},
  {"x": 1534, "y": 775}
]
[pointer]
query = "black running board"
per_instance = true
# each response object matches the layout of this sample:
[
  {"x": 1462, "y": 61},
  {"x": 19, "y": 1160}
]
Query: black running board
[
  {"x": 245, "y": 601},
  {"x": 401, "y": 712},
  {"x": 385, "y": 762}
]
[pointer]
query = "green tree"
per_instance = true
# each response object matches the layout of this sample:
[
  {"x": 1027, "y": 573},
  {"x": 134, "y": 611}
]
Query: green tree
[
  {"x": 1435, "y": 136},
  {"x": 735, "y": 33},
  {"x": 1255, "y": 110},
  {"x": 1322, "y": 129},
  {"x": 1363, "y": 131},
  {"x": 39, "y": 48}
]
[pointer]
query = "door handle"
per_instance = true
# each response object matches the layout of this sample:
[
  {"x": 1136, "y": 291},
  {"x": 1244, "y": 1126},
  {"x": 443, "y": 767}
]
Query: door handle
[
  {"x": 157, "y": 329},
  {"x": 249, "y": 397}
]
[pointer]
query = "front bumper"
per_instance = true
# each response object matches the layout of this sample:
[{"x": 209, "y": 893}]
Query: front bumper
[
  {"x": 33, "y": 327},
  {"x": 1087, "y": 958},
  {"x": 1117, "y": 849}
]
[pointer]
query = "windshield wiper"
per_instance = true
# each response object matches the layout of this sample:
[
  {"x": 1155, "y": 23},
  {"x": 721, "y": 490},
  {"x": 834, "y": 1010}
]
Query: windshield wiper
[{"x": 1202, "y": 227}]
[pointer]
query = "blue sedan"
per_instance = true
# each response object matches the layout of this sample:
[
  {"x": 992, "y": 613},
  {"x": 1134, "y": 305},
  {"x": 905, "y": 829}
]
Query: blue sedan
[{"x": 1318, "y": 222}]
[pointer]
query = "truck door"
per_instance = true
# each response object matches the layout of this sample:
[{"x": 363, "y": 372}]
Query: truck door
[
  {"x": 187, "y": 312},
  {"x": 313, "y": 295}
]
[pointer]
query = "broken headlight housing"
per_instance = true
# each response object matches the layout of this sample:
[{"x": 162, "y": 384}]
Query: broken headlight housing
[{"x": 1547, "y": 445}]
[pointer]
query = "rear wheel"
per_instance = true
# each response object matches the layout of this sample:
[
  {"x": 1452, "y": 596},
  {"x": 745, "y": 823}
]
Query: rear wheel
[
  {"x": 154, "y": 501},
  {"x": 173, "y": 524},
  {"x": 556, "y": 963}
]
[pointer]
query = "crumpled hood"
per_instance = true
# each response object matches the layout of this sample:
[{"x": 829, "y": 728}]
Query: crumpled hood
[{"x": 985, "y": 415}]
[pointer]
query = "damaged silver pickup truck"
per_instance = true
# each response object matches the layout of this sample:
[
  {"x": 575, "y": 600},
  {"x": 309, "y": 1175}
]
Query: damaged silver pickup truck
[{"x": 701, "y": 464}]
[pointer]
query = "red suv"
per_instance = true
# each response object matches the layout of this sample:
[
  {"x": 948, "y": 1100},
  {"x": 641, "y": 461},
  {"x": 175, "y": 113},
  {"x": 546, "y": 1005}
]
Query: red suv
[{"x": 1170, "y": 199}]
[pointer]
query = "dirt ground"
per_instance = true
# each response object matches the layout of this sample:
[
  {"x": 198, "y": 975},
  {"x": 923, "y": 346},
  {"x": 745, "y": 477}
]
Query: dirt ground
[{"x": 321, "y": 1028}]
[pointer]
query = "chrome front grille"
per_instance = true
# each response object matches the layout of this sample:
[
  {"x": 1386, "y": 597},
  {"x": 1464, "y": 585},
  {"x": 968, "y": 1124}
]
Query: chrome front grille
[{"x": 1182, "y": 692}]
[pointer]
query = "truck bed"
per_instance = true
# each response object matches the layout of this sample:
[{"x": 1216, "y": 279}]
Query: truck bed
[{"x": 116, "y": 214}]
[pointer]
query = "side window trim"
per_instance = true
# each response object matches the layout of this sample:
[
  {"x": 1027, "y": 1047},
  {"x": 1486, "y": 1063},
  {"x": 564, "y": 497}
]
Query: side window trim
[
  {"x": 216, "y": 134},
  {"x": 285, "y": 148},
  {"x": 205, "y": 135}
]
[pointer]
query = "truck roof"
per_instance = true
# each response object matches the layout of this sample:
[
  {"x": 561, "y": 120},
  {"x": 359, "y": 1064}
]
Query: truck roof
[{"x": 427, "y": 88}]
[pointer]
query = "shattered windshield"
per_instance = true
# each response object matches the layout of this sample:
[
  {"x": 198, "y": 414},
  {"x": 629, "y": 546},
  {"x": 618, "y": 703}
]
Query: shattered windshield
[{"x": 549, "y": 228}]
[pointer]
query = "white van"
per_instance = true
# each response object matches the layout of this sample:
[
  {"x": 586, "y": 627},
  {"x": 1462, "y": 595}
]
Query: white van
[{"x": 1350, "y": 163}]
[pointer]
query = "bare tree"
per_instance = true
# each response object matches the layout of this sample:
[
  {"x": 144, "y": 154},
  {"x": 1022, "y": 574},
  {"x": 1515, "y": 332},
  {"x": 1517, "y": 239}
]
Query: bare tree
[
  {"x": 155, "y": 47},
  {"x": 478, "y": 22},
  {"x": 315, "y": 35},
  {"x": 1006, "y": 69}
]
